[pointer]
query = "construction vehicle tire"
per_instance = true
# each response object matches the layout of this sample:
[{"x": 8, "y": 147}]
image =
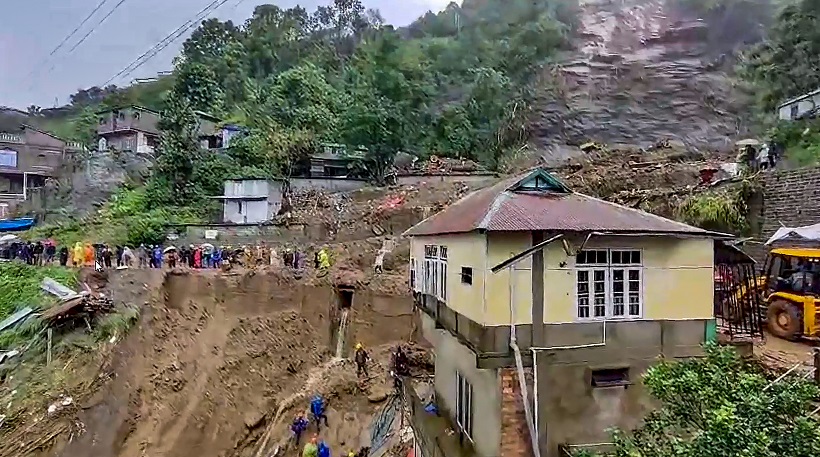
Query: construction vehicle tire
[{"x": 784, "y": 319}]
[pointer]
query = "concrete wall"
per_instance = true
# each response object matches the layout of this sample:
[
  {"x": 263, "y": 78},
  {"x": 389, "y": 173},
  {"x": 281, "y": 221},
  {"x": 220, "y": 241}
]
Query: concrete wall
[
  {"x": 790, "y": 198},
  {"x": 245, "y": 211},
  {"x": 570, "y": 410},
  {"x": 466, "y": 178},
  {"x": 676, "y": 276},
  {"x": 452, "y": 357},
  {"x": 326, "y": 184},
  {"x": 463, "y": 250}
]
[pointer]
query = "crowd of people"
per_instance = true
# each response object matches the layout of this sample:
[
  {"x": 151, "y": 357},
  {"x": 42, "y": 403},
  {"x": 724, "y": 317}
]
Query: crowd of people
[{"x": 200, "y": 256}]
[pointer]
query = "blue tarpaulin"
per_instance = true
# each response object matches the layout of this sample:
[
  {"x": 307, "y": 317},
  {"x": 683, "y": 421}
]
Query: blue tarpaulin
[{"x": 16, "y": 225}]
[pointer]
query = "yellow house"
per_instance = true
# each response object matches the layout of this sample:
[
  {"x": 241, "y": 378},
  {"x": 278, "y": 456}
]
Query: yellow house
[{"x": 576, "y": 294}]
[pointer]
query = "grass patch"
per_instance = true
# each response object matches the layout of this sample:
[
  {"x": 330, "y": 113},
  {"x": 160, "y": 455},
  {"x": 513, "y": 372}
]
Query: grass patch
[
  {"x": 116, "y": 324},
  {"x": 20, "y": 285}
]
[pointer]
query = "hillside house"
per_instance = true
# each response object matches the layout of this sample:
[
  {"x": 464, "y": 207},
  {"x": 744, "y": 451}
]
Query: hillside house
[
  {"x": 135, "y": 128},
  {"x": 28, "y": 157},
  {"x": 333, "y": 160},
  {"x": 592, "y": 292},
  {"x": 800, "y": 107}
]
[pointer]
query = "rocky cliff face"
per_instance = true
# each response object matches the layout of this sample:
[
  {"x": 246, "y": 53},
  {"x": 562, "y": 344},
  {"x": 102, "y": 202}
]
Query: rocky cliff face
[{"x": 644, "y": 71}]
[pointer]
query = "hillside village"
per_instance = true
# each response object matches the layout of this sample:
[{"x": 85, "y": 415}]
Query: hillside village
[{"x": 552, "y": 228}]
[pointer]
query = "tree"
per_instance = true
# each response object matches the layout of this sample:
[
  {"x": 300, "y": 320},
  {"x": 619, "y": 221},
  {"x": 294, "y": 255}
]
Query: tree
[
  {"x": 719, "y": 406},
  {"x": 301, "y": 98},
  {"x": 210, "y": 41},
  {"x": 785, "y": 65},
  {"x": 197, "y": 85},
  {"x": 173, "y": 181}
]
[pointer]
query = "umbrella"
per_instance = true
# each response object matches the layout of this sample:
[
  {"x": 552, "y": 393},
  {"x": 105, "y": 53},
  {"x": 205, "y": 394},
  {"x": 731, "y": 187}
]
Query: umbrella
[
  {"x": 169, "y": 249},
  {"x": 8, "y": 238},
  {"x": 207, "y": 246},
  {"x": 748, "y": 142}
]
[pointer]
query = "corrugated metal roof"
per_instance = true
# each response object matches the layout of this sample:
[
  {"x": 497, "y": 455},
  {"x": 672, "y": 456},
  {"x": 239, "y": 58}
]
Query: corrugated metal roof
[{"x": 501, "y": 208}]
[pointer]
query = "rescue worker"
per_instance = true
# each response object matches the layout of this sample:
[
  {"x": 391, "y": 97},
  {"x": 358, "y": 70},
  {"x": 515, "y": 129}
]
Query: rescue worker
[
  {"x": 299, "y": 425},
  {"x": 361, "y": 357},
  {"x": 323, "y": 449},
  {"x": 324, "y": 259},
  {"x": 317, "y": 409},
  {"x": 311, "y": 450},
  {"x": 401, "y": 364}
]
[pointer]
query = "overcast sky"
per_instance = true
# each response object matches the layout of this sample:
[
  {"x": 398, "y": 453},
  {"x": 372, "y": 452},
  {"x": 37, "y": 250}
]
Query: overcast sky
[{"x": 33, "y": 28}]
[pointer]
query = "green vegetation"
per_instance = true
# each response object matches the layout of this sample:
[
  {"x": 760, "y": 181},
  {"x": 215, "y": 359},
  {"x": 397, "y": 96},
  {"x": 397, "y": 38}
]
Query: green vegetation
[
  {"x": 785, "y": 66},
  {"x": 128, "y": 218},
  {"x": 721, "y": 210},
  {"x": 721, "y": 406},
  {"x": 455, "y": 84},
  {"x": 20, "y": 285}
]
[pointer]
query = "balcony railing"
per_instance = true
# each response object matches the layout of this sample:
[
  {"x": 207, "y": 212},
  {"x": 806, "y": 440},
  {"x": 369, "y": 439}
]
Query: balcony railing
[{"x": 11, "y": 138}]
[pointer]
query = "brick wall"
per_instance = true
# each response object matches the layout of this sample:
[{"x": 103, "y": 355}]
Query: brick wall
[
  {"x": 790, "y": 198},
  {"x": 515, "y": 435}
]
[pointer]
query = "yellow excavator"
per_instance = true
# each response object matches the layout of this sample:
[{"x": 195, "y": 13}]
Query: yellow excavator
[{"x": 789, "y": 286}]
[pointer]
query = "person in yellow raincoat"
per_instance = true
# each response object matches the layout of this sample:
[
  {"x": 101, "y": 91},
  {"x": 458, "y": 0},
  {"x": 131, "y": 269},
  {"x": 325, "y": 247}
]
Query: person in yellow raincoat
[
  {"x": 78, "y": 254},
  {"x": 324, "y": 259}
]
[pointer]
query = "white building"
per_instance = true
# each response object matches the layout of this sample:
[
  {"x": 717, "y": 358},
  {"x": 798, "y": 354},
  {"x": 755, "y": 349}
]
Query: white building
[
  {"x": 251, "y": 201},
  {"x": 800, "y": 106}
]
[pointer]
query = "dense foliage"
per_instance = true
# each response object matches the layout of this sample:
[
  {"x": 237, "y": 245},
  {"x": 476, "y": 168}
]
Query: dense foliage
[
  {"x": 785, "y": 64},
  {"x": 719, "y": 406},
  {"x": 453, "y": 83}
]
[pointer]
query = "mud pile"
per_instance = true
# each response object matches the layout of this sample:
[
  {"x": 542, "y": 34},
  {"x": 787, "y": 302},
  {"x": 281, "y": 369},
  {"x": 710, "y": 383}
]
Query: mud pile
[{"x": 218, "y": 366}]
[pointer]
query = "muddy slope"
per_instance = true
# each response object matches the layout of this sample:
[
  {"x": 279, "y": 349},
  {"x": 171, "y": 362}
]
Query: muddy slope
[
  {"x": 217, "y": 356},
  {"x": 645, "y": 71}
]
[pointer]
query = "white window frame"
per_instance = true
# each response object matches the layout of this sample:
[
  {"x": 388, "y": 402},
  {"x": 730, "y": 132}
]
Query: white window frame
[
  {"x": 608, "y": 271},
  {"x": 464, "y": 405},
  {"x": 435, "y": 271}
]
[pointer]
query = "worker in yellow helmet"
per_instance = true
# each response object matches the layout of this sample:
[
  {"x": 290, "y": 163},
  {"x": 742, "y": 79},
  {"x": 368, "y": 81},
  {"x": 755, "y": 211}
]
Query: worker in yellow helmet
[{"x": 361, "y": 357}]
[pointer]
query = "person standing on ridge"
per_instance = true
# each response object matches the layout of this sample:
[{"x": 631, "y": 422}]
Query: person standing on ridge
[
  {"x": 299, "y": 425},
  {"x": 317, "y": 409},
  {"x": 361, "y": 357}
]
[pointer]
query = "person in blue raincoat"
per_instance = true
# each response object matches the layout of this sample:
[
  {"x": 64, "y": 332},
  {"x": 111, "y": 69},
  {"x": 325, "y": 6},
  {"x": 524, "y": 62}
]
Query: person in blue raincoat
[
  {"x": 298, "y": 427},
  {"x": 158, "y": 257},
  {"x": 317, "y": 410},
  {"x": 324, "y": 450},
  {"x": 216, "y": 258}
]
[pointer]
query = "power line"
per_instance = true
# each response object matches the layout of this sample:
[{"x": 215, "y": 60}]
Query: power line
[
  {"x": 167, "y": 41},
  {"x": 68, "y": 37},
  {"x": 82, "y": 40},
  {"x": 85, "y": 37}
]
